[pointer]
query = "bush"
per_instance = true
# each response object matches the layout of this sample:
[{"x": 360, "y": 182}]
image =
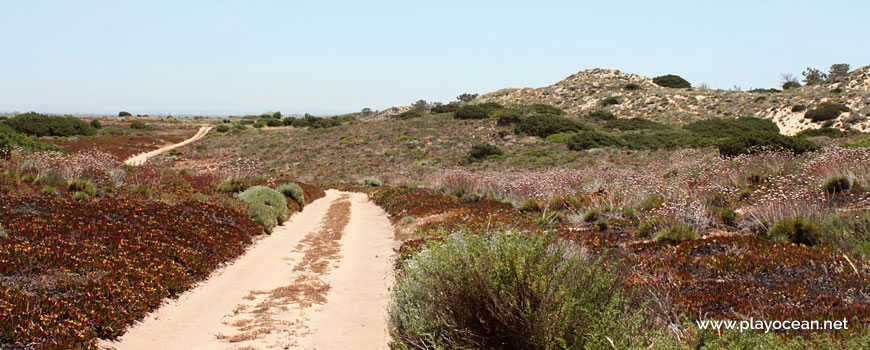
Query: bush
[
  {"x": 272, "y": 122},
  {"x": 39, "y": 125},
  {"x": 84, "y": 186},
  {"x": 80, "y": 196},
  {"x": 138, "y": 126},
  {"x": 471, "y": 112},
  {"x": 631, "y": 86},
  {"x": 797, "y": 230},
  {"x": 508, "y": 292},
  {"x": 671, "y": 81},
  {"x": 96, "y": 124},
  {"x": 664, "y": 139},
  {"x": 825, "y": 111},
  {"x": 837, "y": 185},
  {"x": 223, "y": 128},
  {"x": 266, "y": 206},
  {"x": 824, "y": 131},
  {"x": 627, "y": 124},
  {"x": 609, "y": 101},
  {"x": 124, "y": 114},
  {"x": 541, "y": 108},
  {"x": 484, "y": 150},
  {"x": 293, "y": 191},
  {"x": 600, "y": 115},
  {"x": 448, "y": 108},
  {"x": 754, "y": 142},
  {"x": 790, "y": 85},
  {"x": 677, "y": 232},
  {"x": 798, "y": 108},
  {"x": 506, "y": 117},
  {"x": 721, "y": 128},
  {"x": 584, "y": 140},
  {"x": 413, "y": 113},
  {"x": 49, "y": 190},
  {"x": 546, "y": 125},
  {"x": 300, "y": 123},
  {"x": 490, "y": 107},
  {"x": 233, "y": 184},
  {"x": 372, "y": 182}
]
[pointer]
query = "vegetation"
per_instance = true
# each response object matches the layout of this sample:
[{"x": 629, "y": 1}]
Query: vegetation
[
  {"x": 39, "y": 125},
  {"x": 266, "y": 206},
  {"x": 797, "y": 230},
  {"x": 672, "y": 81},
  {"x": 484, "y": 150},
  {"x": 471, "y": 112},
  {"x": 677, "y": 233},
  {"x": 584, "y": 140},
  {"x": 546, "y": 125},
  {"x": 293, "y": 191},
  {"x": 825, "y": 111}
]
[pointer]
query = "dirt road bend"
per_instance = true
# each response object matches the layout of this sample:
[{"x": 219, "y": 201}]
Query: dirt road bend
[
  {"x": 319, "y": 281},
  {"x": 141, "y": 158}
]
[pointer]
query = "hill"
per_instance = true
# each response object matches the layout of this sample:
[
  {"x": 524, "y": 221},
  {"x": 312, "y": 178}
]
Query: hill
[{"x": 632, "y": 95}]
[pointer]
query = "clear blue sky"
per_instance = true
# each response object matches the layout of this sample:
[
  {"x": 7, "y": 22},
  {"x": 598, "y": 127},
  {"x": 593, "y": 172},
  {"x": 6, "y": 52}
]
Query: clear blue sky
[{"x": 234, "y": 57}]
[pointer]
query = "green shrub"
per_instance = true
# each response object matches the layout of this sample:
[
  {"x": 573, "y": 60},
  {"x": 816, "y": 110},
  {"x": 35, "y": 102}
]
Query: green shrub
[
  {"x": 631, "y": 86},
  {"x": 797, "y": 230},
  {"x": 650, "y": 226},
  {"x": 824, "y": 131},
  {"x": 300, "y": 123},
  {"x": 753, "y": 142},
  {"x": 80, "y": 196},
  {"x": 484, "y": 150},
  {"x": 677, "y": 232},
  {"x": 561, "y": 137},
  {"x": 825, "y": 111},
  {"x": 372, "y": 182},
  {"x": 609, "y": 101},
  {"x": 266, "y": 206},
  {"x": 591, "y": 215},
  {"x": 652, "y": 202},
  {"x": 448, "y": 108},
  {"x": 837, "y": 185},
  {"x": 471, "y": 112},
  {"x": 233, "y": 184},
  {"x": 490, "y": 107},
  {"x": 798, "y": 108},
  {"x": 141, "y": 190},
  {"x": 508, "y": 292},
  {"x": 96, "y": 124},
  {"x": 600, "y": 115},
  {"x": 546, "y": 125},
  {"x": 584, "y": 140},
  {"x": 39, "y": 125},
  {"x": 246, "y": 122},
  {"x": 409, "y": 114},
  {"x": 627, "y": 124},
  {"x": 671, "y": 81},
  {"x": 664, "y": 139},
  {"x": 860, "y": 143},
  {"x": 222, "y": 128},
  {"x": 10, "y": 138},
  {"x": 84, "y": 186},
  {"x": 49, "y": 190},
  {"x": 138, "y": 126},
  {"x": 722, "y": 128},
  {"x": 506, "y": 117},
  {"x": 541, "y": 108},
  {"x": 293, "y": 191},
  {"x": 790, "y": 85},
  {"x": 124, "y": 114}
]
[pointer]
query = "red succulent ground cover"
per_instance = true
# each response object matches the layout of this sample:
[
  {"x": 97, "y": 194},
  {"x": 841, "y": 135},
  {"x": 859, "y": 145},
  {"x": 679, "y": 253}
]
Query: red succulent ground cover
[
  {"x": 720, "y": 276},
  {"x": 74, "y": 271},
  {"x": 121, "y": 147}
]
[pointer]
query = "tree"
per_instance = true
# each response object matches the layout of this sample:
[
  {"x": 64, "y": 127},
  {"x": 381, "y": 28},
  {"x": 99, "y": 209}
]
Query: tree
[
  {"x": 277, "y": 115},
  {"x": 838, "y": 71},
  {"x": 813, "y": 76},
  {"x": 420, "y": 105},
  {"x": 789, "y": 81},
  {"x": 124, "y": 114},
  {"x": 366, "y": 112},
  {"x": 466, "y": 97}
]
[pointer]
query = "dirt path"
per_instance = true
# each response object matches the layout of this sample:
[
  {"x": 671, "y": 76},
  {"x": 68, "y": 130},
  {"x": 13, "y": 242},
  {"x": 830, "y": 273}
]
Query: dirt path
[
  {"x": 319, "y": 281},
  {"x": 141, "y": 158}
]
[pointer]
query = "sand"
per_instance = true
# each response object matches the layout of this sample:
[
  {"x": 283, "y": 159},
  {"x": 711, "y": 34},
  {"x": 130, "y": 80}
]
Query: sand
[{"x": 141, "y": 158}]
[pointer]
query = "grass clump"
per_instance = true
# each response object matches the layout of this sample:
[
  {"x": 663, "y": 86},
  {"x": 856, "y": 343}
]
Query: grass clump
[
  {"x": 83, "y": 186},
  {"x": 266, "y": 206},
  {"x": 848, "y": 233},
  {"x": 372, "y": 182},
  {"x": 508, "y": 292},
  {"x": 672, "y": 81},
  {"x": 797, "y": 230},
  {"x": 825, "y": 111},
  {"x": 591, "y": 215},
  {"x": 49, "y": 190},
  {"x": 3, "y": 233},
  {"x": 677, "y": 232},
  {"x": 233, "y": 185},
  {"x": 530, "y": 206},
  {"x": 632, "y": 86},
  {"x": 80, "y": 196},
  {"x": 293, "y": 191},
  {"x": 837, "y": 185}
]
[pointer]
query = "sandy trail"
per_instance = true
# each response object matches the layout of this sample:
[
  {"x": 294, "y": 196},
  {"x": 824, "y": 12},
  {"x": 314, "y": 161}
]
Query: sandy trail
[
  {"x": 141, "y": 158},
  {"x": 319, "y": 281}
]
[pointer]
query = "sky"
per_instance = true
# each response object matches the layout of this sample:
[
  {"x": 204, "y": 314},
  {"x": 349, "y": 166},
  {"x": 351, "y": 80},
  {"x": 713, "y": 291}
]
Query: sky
[{"x": 327, "y": 57}]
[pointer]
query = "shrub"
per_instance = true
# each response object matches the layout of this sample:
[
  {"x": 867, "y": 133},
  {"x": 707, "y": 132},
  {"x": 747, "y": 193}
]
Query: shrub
[
  {"x": 797, "y": 230},
  {"x": 627, "y": 124},
  {"x": 39, "y": 125},
  {"x": 860, "y": 143},
  {"x": 372, "y": 182},
  {"x": 790, "y": 85},
  {"x": 600, "y": 115},
  {"x": 824, "y": 131},
  {"x": 300, "y": 123},
  {"x": 722, "y": 128},
  {"x": 561, "y": 137},
  {"x": 138, "y": 126},
  {"x": 825, "y": 111},
  {"x": 124, "y": 114},
  {"x": 837, "y": 185},
  {"x": 677, "y": 232},
  {"x": 484, "y": 150},
  {"x": 546, "y": 125},
  {"x": 84, "y": 186},
  {"x": 246, "y": 122},
  {"x": 671, "y": 81},
  {"x": 49, "y": 190},
  {"x": 754, "y": 142},
  {"x": 490, "y": 107},
  {"x": 448, "y": 108},
  {"x": 293, "y": 191},
  {"x": 798, "y": 108},
  {"x": 609, "y": 101},
  {"x": 541, "y": 108},
  {"x": 471, "y": 112},
  {"x": 96, "y": 124},
  {"x": 233, "y": 184},
  {"x": 223, "y": 128},
  {"x": 531, "y": 292},
  {"x": 505, "y": 117},
  {"x": 631, "y": 86},
  {"x": 584, "y": 140},
  {"x": 266, "y": 206},
  {"x": 272, "y": 122},
  {"x": 413, "y": 113},
  {"x": 80, "y": 196},
  {"x": 663, "y": 139}
]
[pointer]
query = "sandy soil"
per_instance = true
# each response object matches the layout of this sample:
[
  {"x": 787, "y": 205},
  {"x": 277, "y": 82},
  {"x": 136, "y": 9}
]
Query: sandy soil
[
  {"x": 141, "y": 158},
  {"x": 320, "y": 281}
]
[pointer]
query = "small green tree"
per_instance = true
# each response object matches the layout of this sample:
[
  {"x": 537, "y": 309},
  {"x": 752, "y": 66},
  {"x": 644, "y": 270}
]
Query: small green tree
[
  {"x": 466, "y": 97},
  {"x": 421, "y": 105},
  {"x": 838, "y": 71},
  {"x": 814, "y": 76},
  {"x": 124, "y": 114}
]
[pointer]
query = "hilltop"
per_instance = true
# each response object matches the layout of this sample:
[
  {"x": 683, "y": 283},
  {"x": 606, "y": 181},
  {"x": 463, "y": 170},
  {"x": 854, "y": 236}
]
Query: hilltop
[{"x": 632, "y": 95}]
